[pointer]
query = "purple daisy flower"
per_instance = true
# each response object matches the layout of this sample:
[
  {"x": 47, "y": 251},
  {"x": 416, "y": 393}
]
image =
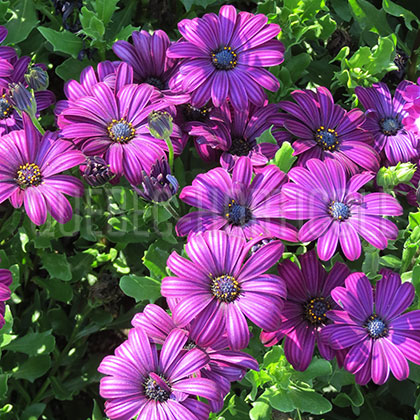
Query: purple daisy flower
[
  {"x": 224, "y": 58},
  {"x": 113, "y": 124},
  {"x": 384, "y": 119},
  {"x": 411, "y": 120},
  {"x": 221, "y": 289},
  {"x": 325, "y": 130},
  {"x": 5, "y": 282},
  {"x": 304, "y": 313},
  {"x": 151, "y": 64},
  {"x": 372, "y": 328},
  {"x": 224, "y": 366},
  {"x": 237, "y": 203},
  {"x": 234, "y": 133},
  {"x": 336, "y": 210},
  {"x": 152, "y": 384},
  {"x": 30, "y": 173}
]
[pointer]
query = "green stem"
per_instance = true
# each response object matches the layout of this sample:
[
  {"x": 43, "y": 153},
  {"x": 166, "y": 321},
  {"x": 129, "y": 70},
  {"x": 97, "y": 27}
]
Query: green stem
[
  {"x": 168, "y": 206},
  {"x": 37, "y": 124},
  {"x": 298, "y": 414},
  {"x": 171, "y": 152}
]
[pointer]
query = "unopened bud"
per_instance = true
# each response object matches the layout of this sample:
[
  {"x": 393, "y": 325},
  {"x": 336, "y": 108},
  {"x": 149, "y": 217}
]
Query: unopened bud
[
  {"x": 97, "y": 171},
  {"x": 37, "y": 78},
  {"x": 21, "y": 98},
  {"x": 160, "y": 124}
]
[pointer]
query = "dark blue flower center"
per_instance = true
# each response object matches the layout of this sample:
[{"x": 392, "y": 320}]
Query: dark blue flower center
[
  {"x": 154, "y": 392},
  {"x": 28, "y": 175},
  {"x": 376, "y": 327},
  {"x": 191, "y": 113},
  {"x": 315, "y": 310},
  {"x": 156, "y": 82},
  {"x": 5, "y": 108},
  {"x": 327, "y": 138},
  {"x": 339, "y": 210},
  {"x": 121, "y": 131},
  {"x": 240, "y": 147},
  {"x": 237, "y": 214},
  {"x": 390, "y": 126},
  {"x": 224, "y": 58},
  {"x": 225, "y": 288}
]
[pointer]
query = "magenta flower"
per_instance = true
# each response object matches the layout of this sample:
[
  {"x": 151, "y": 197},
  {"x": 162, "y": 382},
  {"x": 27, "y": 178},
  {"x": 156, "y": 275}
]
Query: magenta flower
[
  {"x": 224, "y": 366},
  {"x": 372, "y": 328},
  {"x": 152, "y": 384},
  {"x": 237, "y": 203},
  {"x": 411, "y": 119},
  {"x": 30, "y": 173},
  {"x": 384, "y": 119},
  {"x": 336, "y": 210},
  {"x": 224, "y": 58},
  {"x": 5, "y": 282},
  {"x": 324, "y": 130},
  {"x": 220, "y": 288},
  {"x": 151, "y": 64},
  {"x": 113, "y": 124},
  {"x": 304, "y": 313},
  {"x": 234, "y": 133}
]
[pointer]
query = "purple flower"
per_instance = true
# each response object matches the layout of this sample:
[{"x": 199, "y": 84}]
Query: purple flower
[
  {"x": 336, "y": 210},
  {"x": 113, "y": 124},
  {"x": 224, "y": 57},
  {"x": 5, "y": 282},
  {"x": 325, "y": 130},
  {"x": 30, "y": 173},
  {"x": 411, "y": 120},
  {"x": 384, "y": 119},
  {"x": 237, "y": 203},
  {"x": 151, "y": 64},
  {"x": 158, "y": 185},
  {"x": 234, "y": 133},
  {"x": 304, "y": 313},
  {"x": 224, "y": 366},
  {"x": 152, "y": 384},
  {"x": 371, "y": 327},
  {"x": 220, "y": 288}
]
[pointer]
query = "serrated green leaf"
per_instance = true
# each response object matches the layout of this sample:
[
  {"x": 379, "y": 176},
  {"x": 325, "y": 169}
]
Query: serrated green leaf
[
  {"x": 22, "y": 22},
  {"x": 57, "y": 266},
  {"x": 105, "y": 9},
  {"x": 65, "y": 41},
  {"x": 266, "y": 137},
  {"x": 92, "y": 26},
  {"x": 202, "y": 3},
  {"x": 398, "y": 11}
]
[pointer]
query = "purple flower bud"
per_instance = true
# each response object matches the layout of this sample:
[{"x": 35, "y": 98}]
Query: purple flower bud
[
  {"x": 97, "y": 171},
  {"x": 160, "y": 124},
  {"x": 37, "y": 78},
  {"x": 21, "y": 98}
]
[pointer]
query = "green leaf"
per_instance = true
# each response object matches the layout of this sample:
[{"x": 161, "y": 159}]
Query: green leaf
[
  {"x": 297, "y": 64},
  {"x": 65, "y": 41},
  {"x": 140, "y": 288},
  {"x": 390, "y": 261},
  {"x": 280, "y": 399},
  {"x": 398, "y": 11},
  {"x": 125, "y": 33},
  {"x": 318, "y": 367},
  {"x": 57, "y": 266},
  {"x": 33, "y": 368},
  {"x": 203, "y": 3},
  {"x": 3, "y": 385},
  {"x": 261, "y": 410},
  {"x": 284, "y": 158},
  {"x": 33, "y": 343},
  {"x": 71, "y": 69},
  {"x": 97, "y": 412},
  {"x": 4, "y": 5},
  {"x": 56, "y": 288},
  {"x": 105, "y": 9},
  {"x": 23, "y": 20},
  {"x": 155, "y": 258},
  {"x": 369, "y": 17},
  {"x": 310, "y": 401},
  {"x": 266, "y": 137},
  {"x": 33, "y": 412},
  {"x": 354, "y": 398},
  {"x": 92, "y": 26}
]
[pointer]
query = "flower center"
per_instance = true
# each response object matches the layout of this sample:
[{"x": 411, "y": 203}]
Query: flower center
[
  {"x": 5, "y": 108},
  {"x": 224, "y": 58},
  {"x": 225, "y": 288},
  {"x": 316, "y": 309},
  {"x": 28, "y": 175},
  {"x": 390, "y": 126},
  {"x": 237, "y": 214},
  {"x": 376, "y": 327},
  {"x": 190, "y": 345},
  {"x": 154, "y": 388},
  {"x": 121, "y": 131},
  {"x": 327, "y": 138},
  {"x": 191, "y": 113},
  {"x": 156, "y": 82},
  {"x": 339, "y": 210},
  {"x": 240, "y": 147}
]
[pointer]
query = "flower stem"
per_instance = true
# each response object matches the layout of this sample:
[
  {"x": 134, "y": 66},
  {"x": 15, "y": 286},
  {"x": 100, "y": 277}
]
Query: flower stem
[
  {"x": 37, "y": 124},
  {"x": 171, "y": 152},
  {"x": 168, "y": 206}
]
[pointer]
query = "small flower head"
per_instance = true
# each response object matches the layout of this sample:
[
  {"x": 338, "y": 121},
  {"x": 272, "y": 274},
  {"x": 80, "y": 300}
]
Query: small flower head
[
  {"x": 37, "y": 78},
  {"x": 160, "y": 124},
  {"x": 21, "y": 98},
  {"x": 96, "y": 171}
]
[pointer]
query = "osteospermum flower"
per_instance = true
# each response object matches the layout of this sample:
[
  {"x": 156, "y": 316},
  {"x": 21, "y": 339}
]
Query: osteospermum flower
[
  {"x": 234, "y": 133},
  {"x": 236, "y": 204},
  {"x": 224, "y": 365},
  {"x": 152, "y": 384},
  {"x": 5, "y": 282},
  {"x": 336, "y": 210},
  {"x": 113, "y": 124},
  {"x": 224, "y": 58},
  {"x": 221, "y": 289},
  {"x": 151, "y": 64},
  {"x": 30, "y": 173},
  {"x": 372, "y": 328},
  {"x": 325, "y": 130},
  {"x": 304, "y": 313},
  {"x": 384, "y": 119},
  {"x": 411, "y": 94}
]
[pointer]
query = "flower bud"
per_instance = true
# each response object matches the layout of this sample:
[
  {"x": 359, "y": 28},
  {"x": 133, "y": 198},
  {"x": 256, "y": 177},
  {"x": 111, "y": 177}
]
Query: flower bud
[
  {"x": 37, "y": 78},
  {"x": 21, "y": 98},
  {"x": 97, "y": 171},
  {"x": 160, "y": 124}
]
